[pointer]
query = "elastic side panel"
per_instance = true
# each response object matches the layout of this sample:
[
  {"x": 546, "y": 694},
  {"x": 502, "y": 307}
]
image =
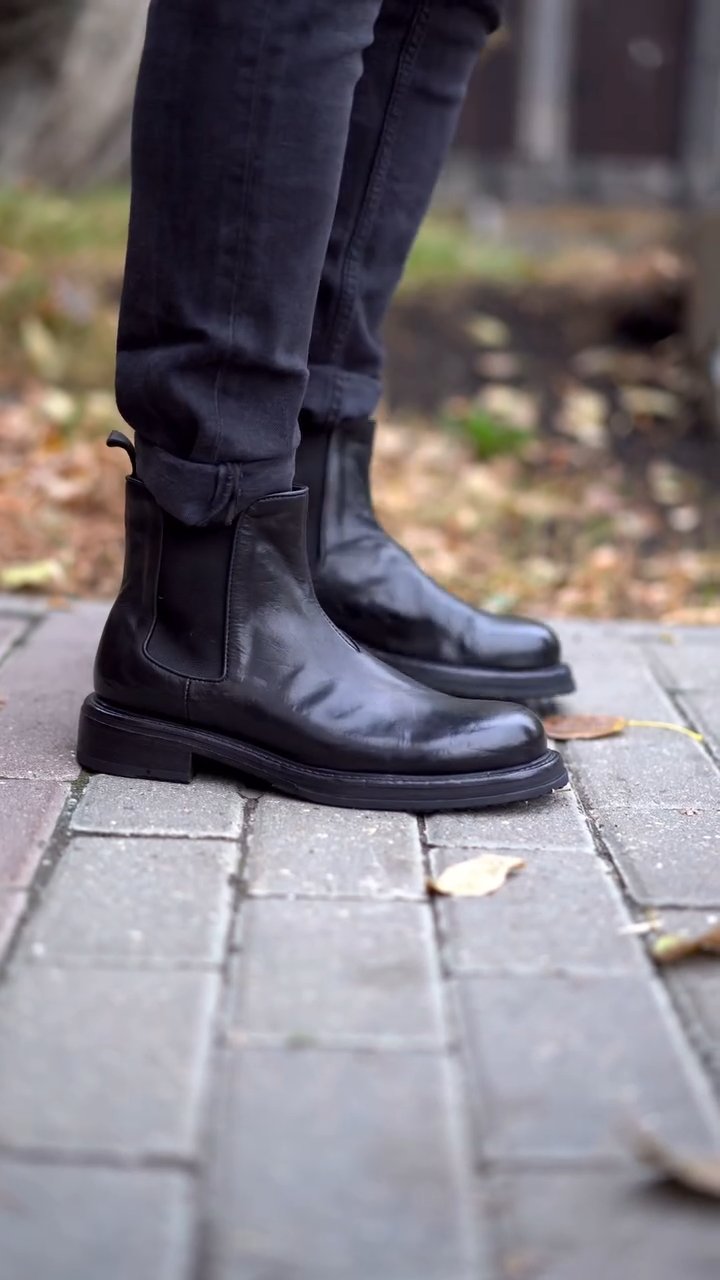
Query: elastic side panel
[{"x": 189, "y": 632}]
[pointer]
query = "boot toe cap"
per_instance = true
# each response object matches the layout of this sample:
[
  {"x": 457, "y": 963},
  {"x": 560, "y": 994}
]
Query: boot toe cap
[
  {"x": 526, "y": 644},
  {"x": 503, "y": 735}
]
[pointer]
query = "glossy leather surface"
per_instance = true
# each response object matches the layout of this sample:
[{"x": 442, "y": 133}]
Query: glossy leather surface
[
  {"x": 372, "y": 587},
  {"x": 291, "y": 681}
]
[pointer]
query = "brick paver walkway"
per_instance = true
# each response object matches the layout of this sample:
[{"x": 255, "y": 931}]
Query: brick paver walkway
[{"x": 239, "y": 1042}]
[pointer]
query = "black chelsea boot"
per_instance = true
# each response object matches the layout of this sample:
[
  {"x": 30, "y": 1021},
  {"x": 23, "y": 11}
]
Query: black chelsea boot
[
  {"x": 217, "y": 650},
  {"x": 372, "y": 588}
]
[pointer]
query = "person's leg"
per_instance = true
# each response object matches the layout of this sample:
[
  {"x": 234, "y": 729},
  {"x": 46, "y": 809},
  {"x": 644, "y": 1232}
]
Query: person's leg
[
  {"x": 404, "y": 115},
  {"x": 217, "y": 648},
  {"x": 240, "y": 129}
]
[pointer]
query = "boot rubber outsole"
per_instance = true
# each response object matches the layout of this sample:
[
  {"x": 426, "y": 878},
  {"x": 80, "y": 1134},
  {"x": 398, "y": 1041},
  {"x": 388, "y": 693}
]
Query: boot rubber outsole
[
  {"x": 111, "y": 740},
  {"x": 484, "y": 682}
]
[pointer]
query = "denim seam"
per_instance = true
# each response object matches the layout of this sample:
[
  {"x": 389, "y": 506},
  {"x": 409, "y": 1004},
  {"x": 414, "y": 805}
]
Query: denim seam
[
  {"x": 240, "y": 257},
  {"x": 357, "y": 241},
  {"x": 148, "y": 387}
]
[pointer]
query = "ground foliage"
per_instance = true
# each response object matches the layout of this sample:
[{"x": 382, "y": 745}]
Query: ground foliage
[{"x": 543, "y": 446}]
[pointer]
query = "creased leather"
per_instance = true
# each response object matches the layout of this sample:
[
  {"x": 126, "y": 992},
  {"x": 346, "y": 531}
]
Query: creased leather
[
  {"x": 293, "y": 682},
  {"x": 375, "y": 591}
]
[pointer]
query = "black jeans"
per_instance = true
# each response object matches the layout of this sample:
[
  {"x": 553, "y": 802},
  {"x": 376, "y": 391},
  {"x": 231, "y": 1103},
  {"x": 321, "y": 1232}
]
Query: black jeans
[{"x": 284, "y": 154}]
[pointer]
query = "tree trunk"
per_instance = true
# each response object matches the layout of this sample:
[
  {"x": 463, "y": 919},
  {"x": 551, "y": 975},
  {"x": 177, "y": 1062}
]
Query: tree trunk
[{"x": 67, "y": 73}]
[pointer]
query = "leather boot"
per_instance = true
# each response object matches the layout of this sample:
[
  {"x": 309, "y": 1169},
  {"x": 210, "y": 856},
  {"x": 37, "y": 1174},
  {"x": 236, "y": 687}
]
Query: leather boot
[
  {"x": 217, "y": 650},
  {"x": 372, "y": 588}
]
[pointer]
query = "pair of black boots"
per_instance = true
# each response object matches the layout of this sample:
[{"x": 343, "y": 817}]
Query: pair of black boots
[{"x": 302, "y": 647}]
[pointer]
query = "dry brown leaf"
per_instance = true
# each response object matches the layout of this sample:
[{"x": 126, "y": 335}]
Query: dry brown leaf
[
  {"x": 670, "y": 947},
  {"x": 696, "y": 1173},
  {"x": 476, "y": 877},
  {"x": 566, "y": 728}
]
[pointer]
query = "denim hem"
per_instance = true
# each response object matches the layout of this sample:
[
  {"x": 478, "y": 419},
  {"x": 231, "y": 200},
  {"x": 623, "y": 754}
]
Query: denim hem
[
  {"x": 201, "y": 493},
  {"x": 337, "y": 395}
]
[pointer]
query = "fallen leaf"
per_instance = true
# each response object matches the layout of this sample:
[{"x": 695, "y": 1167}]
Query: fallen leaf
[
  {"x": 670, "y": 947},
  {"x": 37, "y": 573},
  {"x": 567, "y": 728},
  {"x": 650, "y": 402},
  {"x": 476, "y": 877},
  {"x": 584, "y": 416},
  {"x": 585, "y": 727},
  {"x": 684, "y": 519},
  {"x": 488, "y": 330},
  {"x": 58, "y": 406},
  {"x": 696, "y": 1173},
  {"x": 667, "y": 483},
  {"x": 512, "y": 405},
  {"x": 661, "y": 724},
  {"x": 41, "y": 348}
]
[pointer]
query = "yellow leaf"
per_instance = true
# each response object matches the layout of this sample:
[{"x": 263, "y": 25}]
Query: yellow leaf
[
  {"x": 37, "y": 573},
  {"x": 476, "y": 877},
  {"x": 661, "y": 724},
  {"x": 670, "y": 947},
  {"x": 696, "y": 1173}
]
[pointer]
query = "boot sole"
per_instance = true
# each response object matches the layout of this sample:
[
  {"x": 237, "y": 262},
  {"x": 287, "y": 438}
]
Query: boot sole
[
  {"x": 114, "y": 741},
  {"x": 484, "y": 682}
]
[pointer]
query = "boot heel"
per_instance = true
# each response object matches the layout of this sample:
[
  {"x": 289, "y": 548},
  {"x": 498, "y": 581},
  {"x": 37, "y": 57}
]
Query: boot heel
[{"x": 130, "y": 750}]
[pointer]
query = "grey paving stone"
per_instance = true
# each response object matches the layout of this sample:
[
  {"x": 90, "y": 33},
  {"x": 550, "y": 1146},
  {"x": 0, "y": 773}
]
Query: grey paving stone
[
  {"x": 64, "y": 1223},
  {"x": 590, "y": 1226},
  {"x": 135, "y": 902},
  {"x": 11, "y": 629},
  {"x": 560, "y": 914},
  {"x": 44, "y": 682},
  {"x": 666, "y": 856},
  {"x": 328, "y": 971},
  {"x": 109, "y": 1062},
  {"x": 314, "y": 850},
  {"x": 613, "y": 675},
  {"x": 562, "y": 1066},
  {"x": 645, "y": 768},
  {"x": 12, "y": 906},
  {"x": 20, "y": 605},
  {"x": 573, "y": 631},
  {"x": 208, "y": 807},
  {"x": 339, "y": 1166},
  {"x": 555, "y": 822},
  {"x": 29, "y": 810},
  {"x": 689, "y": 661}
]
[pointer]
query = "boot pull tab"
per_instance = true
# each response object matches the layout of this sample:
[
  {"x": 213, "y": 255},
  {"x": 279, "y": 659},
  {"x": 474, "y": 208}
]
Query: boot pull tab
[{"x": 118, "y": 440}]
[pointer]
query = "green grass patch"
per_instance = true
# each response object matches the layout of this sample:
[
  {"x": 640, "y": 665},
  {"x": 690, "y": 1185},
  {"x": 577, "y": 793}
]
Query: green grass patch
[
  {"x": 61, "y": 260},
  {"x": 45, "y": 224},
  {"x": 490, "y": 436},
  {"x": 448, "y": 251}
]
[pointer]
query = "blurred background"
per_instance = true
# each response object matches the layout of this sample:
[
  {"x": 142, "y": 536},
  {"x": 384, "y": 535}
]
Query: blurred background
[{"x": 551, "y": 438}]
